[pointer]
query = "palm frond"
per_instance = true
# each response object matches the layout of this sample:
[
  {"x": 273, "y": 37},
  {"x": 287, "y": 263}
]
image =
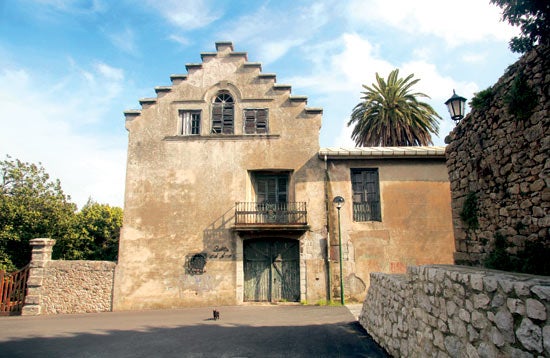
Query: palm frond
[{"x": 391, "y": 115}]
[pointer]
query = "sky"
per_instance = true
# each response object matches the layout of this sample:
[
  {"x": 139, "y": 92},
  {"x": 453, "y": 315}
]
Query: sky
[{"x": 69, "y": 68}]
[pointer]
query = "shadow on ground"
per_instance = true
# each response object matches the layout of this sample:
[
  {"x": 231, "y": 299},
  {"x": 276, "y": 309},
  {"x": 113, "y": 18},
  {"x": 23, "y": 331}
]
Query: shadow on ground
[{"x": 208, "y": 339}]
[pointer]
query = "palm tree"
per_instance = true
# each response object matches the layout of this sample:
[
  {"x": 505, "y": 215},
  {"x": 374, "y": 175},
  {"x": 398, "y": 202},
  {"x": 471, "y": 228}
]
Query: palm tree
[{"x": 390, "y": 115}]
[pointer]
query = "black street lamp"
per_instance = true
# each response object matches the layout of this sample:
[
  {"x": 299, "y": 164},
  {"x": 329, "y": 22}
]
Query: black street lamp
[
  {"x": 456, "y": 106},
  {"x": 338, "y": 201}
]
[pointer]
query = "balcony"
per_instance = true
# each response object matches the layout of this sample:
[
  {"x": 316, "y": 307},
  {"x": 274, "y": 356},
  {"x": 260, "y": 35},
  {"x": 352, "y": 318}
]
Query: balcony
[{"x": 250, "y": 216}]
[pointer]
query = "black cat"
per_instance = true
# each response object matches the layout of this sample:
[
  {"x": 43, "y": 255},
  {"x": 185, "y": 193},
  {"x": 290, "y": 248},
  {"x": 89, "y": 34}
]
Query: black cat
[{"x": 216, "y": 314}]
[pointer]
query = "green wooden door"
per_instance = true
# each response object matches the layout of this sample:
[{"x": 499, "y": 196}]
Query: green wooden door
[{"x": 271, "y": 270}]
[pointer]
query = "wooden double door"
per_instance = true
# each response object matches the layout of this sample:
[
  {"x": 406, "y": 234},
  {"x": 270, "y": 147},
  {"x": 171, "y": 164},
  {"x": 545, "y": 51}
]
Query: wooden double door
[{"x": 271, "y": 270}]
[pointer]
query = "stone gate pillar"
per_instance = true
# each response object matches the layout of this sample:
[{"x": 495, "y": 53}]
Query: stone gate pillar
[{"x": 41, "y": 255}]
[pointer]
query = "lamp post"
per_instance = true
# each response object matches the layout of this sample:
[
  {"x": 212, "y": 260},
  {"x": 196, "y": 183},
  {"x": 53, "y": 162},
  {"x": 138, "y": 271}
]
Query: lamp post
[
  {"x": 338, "y": 201},
  {"x": 456, "y": 106}
]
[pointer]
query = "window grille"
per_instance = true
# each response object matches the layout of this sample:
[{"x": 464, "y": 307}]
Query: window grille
[{"x": 366, "y": 195}]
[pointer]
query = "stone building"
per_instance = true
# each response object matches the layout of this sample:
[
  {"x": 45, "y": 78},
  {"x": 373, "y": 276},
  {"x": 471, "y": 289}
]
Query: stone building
[{"x": 229, "y": 197}]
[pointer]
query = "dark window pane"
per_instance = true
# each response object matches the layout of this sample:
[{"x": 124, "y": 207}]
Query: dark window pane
[
  {"x": 190, "y": 122},
  {"x": 222, "y": 114},
  {"x": 255, "y": 121},
  {"x": 366, "y": 195}
]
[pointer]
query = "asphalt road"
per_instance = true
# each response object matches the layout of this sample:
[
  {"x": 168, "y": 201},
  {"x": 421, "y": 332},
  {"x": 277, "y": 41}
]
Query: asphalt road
[{"x": 242, "y": 331}]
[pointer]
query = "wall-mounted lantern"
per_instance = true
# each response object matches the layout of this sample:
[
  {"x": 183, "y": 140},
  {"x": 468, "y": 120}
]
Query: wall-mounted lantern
[{"x": 456, "y": 105}]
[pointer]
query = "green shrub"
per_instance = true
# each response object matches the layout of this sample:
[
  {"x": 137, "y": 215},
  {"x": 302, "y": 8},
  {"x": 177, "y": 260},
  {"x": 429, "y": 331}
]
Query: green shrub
[
  {"x": 520, "y": 99},
  {"x": 470, "y": 211},
  {"x": 482, "y": 99}
]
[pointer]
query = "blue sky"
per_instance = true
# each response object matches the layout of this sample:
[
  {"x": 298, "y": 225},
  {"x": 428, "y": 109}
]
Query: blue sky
[{"x": 69, "y": 68}]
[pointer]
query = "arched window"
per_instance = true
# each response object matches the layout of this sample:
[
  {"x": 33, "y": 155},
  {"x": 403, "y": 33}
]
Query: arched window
[{"x": 223, "y": 113}]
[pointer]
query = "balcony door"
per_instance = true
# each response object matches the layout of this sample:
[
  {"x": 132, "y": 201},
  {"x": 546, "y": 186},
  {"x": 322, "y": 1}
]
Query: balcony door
[
  {"x": 271, "y": 188},
  {"x": 271, "y": 197}
]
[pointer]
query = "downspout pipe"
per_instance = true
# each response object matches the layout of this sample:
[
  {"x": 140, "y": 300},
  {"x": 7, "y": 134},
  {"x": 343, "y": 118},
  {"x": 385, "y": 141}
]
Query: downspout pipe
[{"x": 327, "y": 206}]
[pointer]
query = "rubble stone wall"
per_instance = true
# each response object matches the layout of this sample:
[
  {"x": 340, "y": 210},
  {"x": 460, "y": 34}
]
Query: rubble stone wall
[
  {"x": 57, "y": 286},
  {"x": 499, "y": 155},
  {"x": 453, "y": 311},
  {"x": 78, "y": 287}
]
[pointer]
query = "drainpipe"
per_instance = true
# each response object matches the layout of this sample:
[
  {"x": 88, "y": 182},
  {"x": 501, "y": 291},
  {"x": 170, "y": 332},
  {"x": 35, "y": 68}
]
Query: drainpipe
[{"x": 327, "y": 203}]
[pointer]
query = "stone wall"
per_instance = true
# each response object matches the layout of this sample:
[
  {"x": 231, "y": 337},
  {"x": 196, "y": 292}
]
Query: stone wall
[
  {"x": 457, "y": 311},
  {"x": 499, "y": 155},
  {"x": 67, "y": 286}
]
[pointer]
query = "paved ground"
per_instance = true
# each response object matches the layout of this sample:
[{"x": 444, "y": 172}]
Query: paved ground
[{"x": 242, "y": 331}]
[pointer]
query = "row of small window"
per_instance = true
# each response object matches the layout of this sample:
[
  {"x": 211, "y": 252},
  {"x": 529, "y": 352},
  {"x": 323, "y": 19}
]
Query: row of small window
[
  {"x": 255, "y": 121},
  {"x": 273, "y": 188}
]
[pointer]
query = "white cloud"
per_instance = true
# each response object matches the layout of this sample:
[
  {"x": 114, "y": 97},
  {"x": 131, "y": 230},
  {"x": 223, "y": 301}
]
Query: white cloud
[
  {"x": 189, "y": 14},
  {"x": 271, "y": 33},
  {"x": 50, "y": 123},
  {"x": 455, "y": 22},
  {"x": 474, "y": 57},
  {"x": 125, "y": 40},
  {"x": 342, "y": 66},
  {"x": 73, "y": 7},
  {"x": 179, "y": 39},
  {"x": 110, "y": 73}
]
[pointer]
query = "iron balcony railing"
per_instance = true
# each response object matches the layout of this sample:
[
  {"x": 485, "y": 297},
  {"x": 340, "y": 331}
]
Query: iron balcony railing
[{"x": 270, "y": 214}]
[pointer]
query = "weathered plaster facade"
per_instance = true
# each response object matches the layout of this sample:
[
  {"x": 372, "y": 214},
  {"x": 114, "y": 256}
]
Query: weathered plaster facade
[
  {"x": 181, "y": 190},
  {"x": 415, "y": 226},
  {"x": 186, "y": 240}
]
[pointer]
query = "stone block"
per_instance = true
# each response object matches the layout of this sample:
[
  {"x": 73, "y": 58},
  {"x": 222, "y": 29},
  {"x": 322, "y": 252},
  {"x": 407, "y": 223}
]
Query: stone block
[
  {"x": 535, "y": 309},
  {"x": 542, "y": 292},
  {"x": 522, "y": 288},
  {"x": 546, "y": 338},
  {"x": 476, "y": 281},
  {"x": 498, "y": 300},
  {"x": 505, "y": 323},
  {"x": 490, "y": 283},
  {"x": 473, "y": 334},
  {"x": 530, "y": 335},
  {"x": 487, "y": 350},
  {"x": 481, "y": 300},
  {"x": 516, "y": 353},
  {"x": 479, "y": 320},
  {"x": 464, "y": 315},
  {"x": 451, "y": 308},
  {"x": 438, "y": 340},
  {"x": 505, "y": 284},
  {"x": 32, "y": 300},
  {"x": 516, "y": 305},
  {"x": 496, "y": 337},
  {"x": 30, "y": 310},
  {"x": 454, "y": 346}
]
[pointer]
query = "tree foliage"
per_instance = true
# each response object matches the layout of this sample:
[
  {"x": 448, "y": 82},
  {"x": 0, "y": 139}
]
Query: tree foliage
[
  {"x": 391, "y": 115},
  {"x": 31, "y": 206},
  {"x": 532, "y": 17},
  {"x": 94, "y": 236},
  {"x": 34, "y": 206}
]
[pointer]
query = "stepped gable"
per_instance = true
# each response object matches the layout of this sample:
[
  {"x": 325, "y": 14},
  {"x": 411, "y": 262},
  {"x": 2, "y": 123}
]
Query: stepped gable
[{"x": 197, "y": 76}]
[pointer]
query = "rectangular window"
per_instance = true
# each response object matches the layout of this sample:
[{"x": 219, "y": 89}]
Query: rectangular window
[
  {"x": 271, "y": 188},
  {"x": 190, "y": 122},
  {"x": 366, "y": 195},
  {"x": 255, "y": 121}
]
